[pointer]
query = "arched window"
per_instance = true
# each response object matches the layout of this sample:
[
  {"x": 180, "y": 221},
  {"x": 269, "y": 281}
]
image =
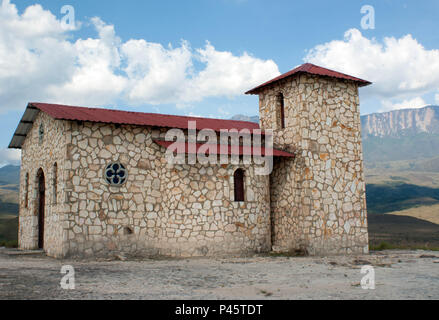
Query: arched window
[
  {"x": 280, "y": 111},
  {"x": 238, "y": 177},
  {"x": 55, "y": 183},
  {"x": 26, "y": 191},
  {"x": 41, "y": 134}
]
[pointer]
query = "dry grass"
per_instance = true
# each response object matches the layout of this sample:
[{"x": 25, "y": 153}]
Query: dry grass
[
  {"x": 382, "y": 176},
  {"x": 7, "y": 216},
  {"x": 427, "y": 213},
  {"x": 8, "y": 194}
]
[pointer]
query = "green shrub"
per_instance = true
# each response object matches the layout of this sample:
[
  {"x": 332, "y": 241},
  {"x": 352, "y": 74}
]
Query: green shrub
[
  {"x": 9, "y": 244},
  {"x": 388, "y": 246}
]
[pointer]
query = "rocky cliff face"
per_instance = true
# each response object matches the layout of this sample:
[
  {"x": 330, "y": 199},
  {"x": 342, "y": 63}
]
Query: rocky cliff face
[
  {"x": 401, "y": 122},
  {"x": 392, "y": 124}
]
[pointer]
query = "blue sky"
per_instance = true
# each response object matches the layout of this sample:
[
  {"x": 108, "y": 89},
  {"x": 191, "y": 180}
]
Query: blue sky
[{"x": 198, "y": 57}]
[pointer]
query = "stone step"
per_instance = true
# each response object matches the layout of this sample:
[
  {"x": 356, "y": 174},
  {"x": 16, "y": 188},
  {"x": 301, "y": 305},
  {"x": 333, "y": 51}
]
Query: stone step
[{"x": 16, "y": 252}]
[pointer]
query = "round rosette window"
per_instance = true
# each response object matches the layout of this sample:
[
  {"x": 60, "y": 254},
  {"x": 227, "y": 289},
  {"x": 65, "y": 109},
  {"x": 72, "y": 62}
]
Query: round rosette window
[{"x": 116, "y": 174}]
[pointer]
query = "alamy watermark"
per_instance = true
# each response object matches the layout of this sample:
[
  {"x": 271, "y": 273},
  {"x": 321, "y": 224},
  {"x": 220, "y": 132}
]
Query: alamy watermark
[
  {"x": 368, "y": 281},
  {"x": 368, "y": 19},
  {"x": 252, "y": 146},
  {"x": 68, "y": 281},
  {"x": 68, "y": 20}
]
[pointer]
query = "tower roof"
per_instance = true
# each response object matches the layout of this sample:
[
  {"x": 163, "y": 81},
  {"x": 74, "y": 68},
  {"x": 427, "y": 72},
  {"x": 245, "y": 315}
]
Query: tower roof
[{"x": 311, "y": 69}]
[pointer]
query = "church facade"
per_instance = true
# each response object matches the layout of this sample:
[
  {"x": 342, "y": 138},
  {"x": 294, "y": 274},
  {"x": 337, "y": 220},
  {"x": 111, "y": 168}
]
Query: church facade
[{"x": 97, "y": 182}]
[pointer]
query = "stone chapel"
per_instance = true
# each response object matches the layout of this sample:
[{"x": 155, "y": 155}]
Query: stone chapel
[{"x": 95, "y": 182}]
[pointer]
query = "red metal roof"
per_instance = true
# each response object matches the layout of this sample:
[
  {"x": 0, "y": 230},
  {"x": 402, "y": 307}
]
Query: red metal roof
[
  {"x": 62, "y": 112},
  {"x": 243, "y": 150},
  {"x": 311, "y": 69}
]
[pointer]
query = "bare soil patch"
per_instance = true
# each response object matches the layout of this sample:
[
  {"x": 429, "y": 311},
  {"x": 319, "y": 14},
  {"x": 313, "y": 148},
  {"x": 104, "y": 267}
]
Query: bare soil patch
[{"x": 399, "y": 275}]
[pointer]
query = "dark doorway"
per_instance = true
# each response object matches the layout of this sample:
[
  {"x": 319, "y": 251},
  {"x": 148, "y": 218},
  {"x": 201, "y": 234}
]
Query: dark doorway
[
  {"x": 278, "y": 185},
  {"x": 41, "y": 206}
]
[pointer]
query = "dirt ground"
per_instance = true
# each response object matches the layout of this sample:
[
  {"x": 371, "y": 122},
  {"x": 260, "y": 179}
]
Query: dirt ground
[{"x": 398, "y": 275}]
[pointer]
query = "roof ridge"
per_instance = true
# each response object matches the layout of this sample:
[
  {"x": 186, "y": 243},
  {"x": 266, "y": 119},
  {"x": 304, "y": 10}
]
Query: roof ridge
[{"x": 345, "y": 74}]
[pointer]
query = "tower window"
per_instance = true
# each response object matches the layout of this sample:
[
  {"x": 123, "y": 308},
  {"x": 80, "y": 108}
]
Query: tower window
[
  {"x": 41, "y": 134},
  {"x": 281, "y": 111},
  {"x": 239, "y": 184}
]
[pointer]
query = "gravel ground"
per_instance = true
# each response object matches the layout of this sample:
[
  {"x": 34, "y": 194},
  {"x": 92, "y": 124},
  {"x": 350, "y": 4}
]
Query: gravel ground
[{"x": 398, "y": 275}]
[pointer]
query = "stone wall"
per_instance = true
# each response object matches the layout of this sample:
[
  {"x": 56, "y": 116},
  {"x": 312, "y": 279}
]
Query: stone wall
[
  {"x": 36, "y": 156},
  {"x": 162, "y": 209},
  {"x": 318, "y": 199}
]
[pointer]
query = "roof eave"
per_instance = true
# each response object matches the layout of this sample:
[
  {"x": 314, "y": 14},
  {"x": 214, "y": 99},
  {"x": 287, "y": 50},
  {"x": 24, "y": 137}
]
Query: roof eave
[{"x": 24, "y": 126}]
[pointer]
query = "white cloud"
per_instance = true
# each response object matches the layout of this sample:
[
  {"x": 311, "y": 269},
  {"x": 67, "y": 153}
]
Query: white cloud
[
  {"x": 223, "y": 112},
  {"x": 157, "y": 74},
  {"x": 399, "y": 68},
  {"x": 33, "y": 54},
  {"x": 40, "y": 62},
  {"x": 10, "y": 156},
  {"x": 93, "y": 80},
  {"x": 229, "y": 75},
  {"x": 414, "y": 103},
  {"x": 160, "y": 75},
  {"x": 436, "y": 98}
]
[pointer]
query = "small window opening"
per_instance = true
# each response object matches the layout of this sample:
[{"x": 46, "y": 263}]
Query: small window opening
[
  {"x": 26, "y": 191},
  {"x": 41, "y": 134},
  {"x": 116, "y": 174},
  {"x": 239, "y": 185},
  {"x": 281, "y": 110},
  {"x": 55, "y": 183}
]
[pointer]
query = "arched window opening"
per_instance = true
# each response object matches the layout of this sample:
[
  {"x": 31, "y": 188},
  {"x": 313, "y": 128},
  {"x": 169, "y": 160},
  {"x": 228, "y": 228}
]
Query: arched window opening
[
  {"x": 239, "y": 184},
  {"x": 26, "y": 191},
  {"x": 41, "y": 134},
  {"x": 281, "y": 110},
  {"x": 55, "y": 183}
]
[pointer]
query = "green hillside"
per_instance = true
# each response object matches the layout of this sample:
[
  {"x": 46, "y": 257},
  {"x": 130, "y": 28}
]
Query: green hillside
[
  {"x": 411, "y": 147},
  {"x": 9, "y": 232},
  {"x": 9, "y": 175},
  {"x": 395, "y": 196},
  {"x": 9, "y": 181}
]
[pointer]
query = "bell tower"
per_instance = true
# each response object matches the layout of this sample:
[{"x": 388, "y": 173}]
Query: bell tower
[{"x": 318, "y": 199}]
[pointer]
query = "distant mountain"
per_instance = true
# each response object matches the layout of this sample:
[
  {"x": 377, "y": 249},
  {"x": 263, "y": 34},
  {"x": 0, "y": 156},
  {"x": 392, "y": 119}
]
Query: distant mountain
[
  {"x": 241, "y": 117},
  {"x": 407, "y": 134},
  {"x": 398, "y": 123},
  {"x": 9, "y": 175}
]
